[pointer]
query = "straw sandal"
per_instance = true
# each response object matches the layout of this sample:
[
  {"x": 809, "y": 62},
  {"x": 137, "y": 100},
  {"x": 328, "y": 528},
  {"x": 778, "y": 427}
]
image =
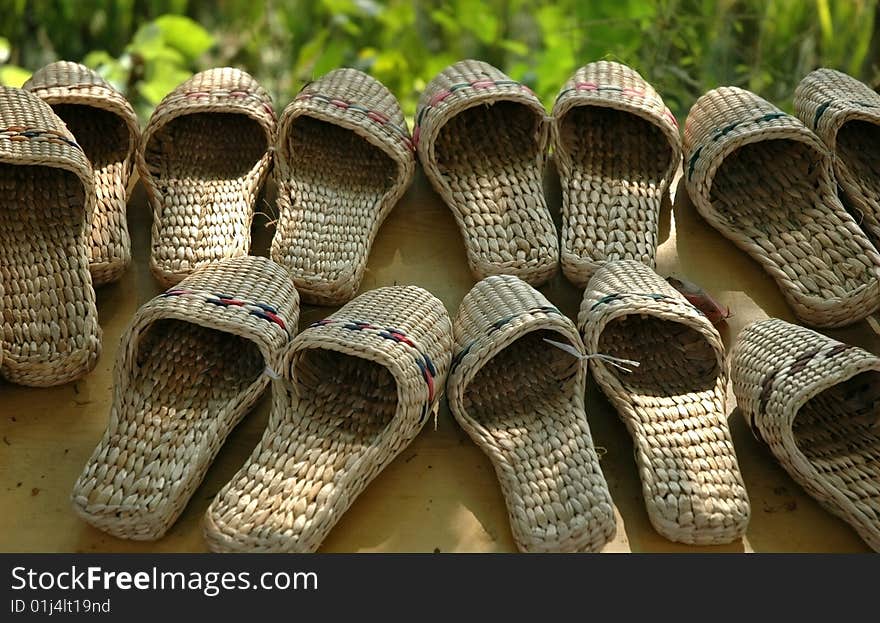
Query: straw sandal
[
  {"x": 522, "y": 401},
  {"x": 845, "y": 113},
  {"x": 50, "y": 324},
  {"x": 617, "y": 148},
  {"x": 482, "y": 140},
  {"x": 190, "y": 366},
  {"x": 673, "y": 403},
  {"x": 106, "y": 127},
  {"x": 204, "y": 157},
  {"x": 816, "y": 403},
  {"x": 765, "y": 181},
  {"x": 353, "y": 391},
  {"x": 343, "y": 160}
]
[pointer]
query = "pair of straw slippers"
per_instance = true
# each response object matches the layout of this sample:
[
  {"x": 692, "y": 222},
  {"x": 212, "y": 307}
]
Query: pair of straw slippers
[
  {"x": 342, "y": 158},
  {"x": 351, "y": 391},
  {"x": 656, "y": 357},
  {"x": 768, "y": 181},
  {"x": 482, "y": 140},
  {"x": 67, "y": 146}
]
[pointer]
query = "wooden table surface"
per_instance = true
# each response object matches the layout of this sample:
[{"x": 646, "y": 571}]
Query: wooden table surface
[{"x": 441, "y": 493}]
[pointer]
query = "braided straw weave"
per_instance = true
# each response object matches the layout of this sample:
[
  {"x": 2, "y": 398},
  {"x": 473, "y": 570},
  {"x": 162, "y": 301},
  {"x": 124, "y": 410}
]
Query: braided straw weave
[
  {"x": 106, "y": 127},
  {"x": 50, "y": 324},
  {"x": 845, "y": 113},
  {"x": 482, "y": 140},
  {"x": 813, "y": 401},
  {"x": 190, "y": 366},
  {"x": 204, "y": 157},
  {"x": 765, "y": 181},
  {"x": 617, "y": 149},
  {"x": 354, "y": 390},
  {"x": 343, "y": 160},
  {"x": 673, "y": 403},
  {"x": 522, "y": 401}
]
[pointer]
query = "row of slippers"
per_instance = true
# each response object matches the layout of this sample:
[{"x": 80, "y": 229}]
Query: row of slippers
[
  {"x": 350, "y": 392},
  {"x": 343, "y": 156}
]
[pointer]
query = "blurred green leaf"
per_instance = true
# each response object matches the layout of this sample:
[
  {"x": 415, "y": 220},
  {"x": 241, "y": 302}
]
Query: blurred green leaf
[
  {"x": 115, "y": 71},
  {"x": 331, "y": 57},
  {"x": 184, "y": 35},
  {"x": 97, "y": 59},
  {"x": 308, "y": 56},
  {"x": 340, "y": 6},
  {"x": 161, "y": 78},
  {"x": 515, "y": 47},
  {"x": 13, "y": 76},
  {"x": 450, "y": 25},
  {"x": 478, "y": 18}
]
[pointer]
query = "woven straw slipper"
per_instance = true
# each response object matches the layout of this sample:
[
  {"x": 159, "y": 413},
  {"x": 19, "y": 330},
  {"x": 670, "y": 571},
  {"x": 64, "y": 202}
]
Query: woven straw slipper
[
  {"x": 814, "y": 402},
  {"x": 482, "y": 141},
  {"x": 673, "y": 403},
  {"x": 204, "y": 157},
  {"x": 845, "y": 113},
  {"x": 106, "y": 127},
  {"x": 765, "y": 181},
  {"x": 344, "y": 158},
  {"x": 617, "y": 148},
  {"x": 353, "y": 391},
  {"x": 190, "y": 366},
  {"x": 47, "y": 196},
  {"x": 522, "y": 401}
]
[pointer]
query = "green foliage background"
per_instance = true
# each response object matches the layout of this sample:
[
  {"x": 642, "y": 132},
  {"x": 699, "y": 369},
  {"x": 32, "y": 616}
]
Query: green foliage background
[{"x": 684, "y": 47}]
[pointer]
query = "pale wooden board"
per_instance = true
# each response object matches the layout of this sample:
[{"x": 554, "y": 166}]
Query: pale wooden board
[{"x": 441, "y": 492}]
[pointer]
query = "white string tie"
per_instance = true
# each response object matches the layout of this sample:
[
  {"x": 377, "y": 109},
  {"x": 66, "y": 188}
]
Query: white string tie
[{"x": 627, "y": 365}]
